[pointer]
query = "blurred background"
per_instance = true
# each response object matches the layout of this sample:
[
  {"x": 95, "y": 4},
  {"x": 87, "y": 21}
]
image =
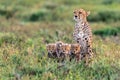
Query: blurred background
[
  {"x": 26, "y": 26},
  {"x": 29, "y": 18}
]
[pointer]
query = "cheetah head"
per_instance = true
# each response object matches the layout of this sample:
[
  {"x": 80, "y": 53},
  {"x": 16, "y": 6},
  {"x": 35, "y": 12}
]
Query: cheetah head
[
  {"x": 80, "y": 15},
  {"x": 51, "y": 49},
  {"x": 58, "y": 44},
  {"x": 65, "y": 49},
  {"x": 75, "y": 48}
]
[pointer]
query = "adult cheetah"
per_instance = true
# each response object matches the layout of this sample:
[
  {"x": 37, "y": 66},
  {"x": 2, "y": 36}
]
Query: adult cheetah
[{"x": 82, "y": 33}]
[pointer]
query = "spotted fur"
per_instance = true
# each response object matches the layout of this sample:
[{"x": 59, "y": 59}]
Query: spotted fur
[
  {"x": 51, "y": 49},
  {"x": 75, "y": 52},
  {"x": 65, "y": 51},
  {"x": 58, "y": 48},
  {"x": 82, "y": 33},
  {"x": 54, "y": 49}
]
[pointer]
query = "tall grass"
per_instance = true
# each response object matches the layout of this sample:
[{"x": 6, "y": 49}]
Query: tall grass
[{"x": 26, "y": 26}]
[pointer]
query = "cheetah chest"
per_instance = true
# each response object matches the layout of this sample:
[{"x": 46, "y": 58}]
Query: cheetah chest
[
  {"x": 79, "y": 35},
  {"x": 78, "y": 32}
]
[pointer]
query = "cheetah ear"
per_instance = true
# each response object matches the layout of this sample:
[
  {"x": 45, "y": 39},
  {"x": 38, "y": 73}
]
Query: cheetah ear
[{"x": 87, "y": 13}]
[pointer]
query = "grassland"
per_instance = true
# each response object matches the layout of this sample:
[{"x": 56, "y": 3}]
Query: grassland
[{"x": 26, "y": 26}]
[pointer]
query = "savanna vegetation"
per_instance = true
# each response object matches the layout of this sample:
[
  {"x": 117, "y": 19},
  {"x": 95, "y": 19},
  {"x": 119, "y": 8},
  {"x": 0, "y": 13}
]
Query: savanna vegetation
[{"x": 26, "y": 26}]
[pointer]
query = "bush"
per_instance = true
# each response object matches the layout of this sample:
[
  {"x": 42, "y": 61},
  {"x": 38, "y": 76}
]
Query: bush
[
  {"x": 39, "y": 15},
  {"x": 7, "y": 13},
  {"x": 44, "y": 15},
  {"x": 108, "y": 1},
  {"x": 48, "y": 13},
  {"x": 105, "y": 16},
  {"x": 107, "y": 32}
]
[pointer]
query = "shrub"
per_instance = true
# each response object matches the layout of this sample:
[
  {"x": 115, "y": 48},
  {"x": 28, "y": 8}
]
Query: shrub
[
  {"x": 107, "y": 1},
  {"x": 105, "y": 16},
  {"x": 7, "y": 13},
  {"x": 43, "y": 15},
  {"x": 107, "y": 32},
  {"x": 39, "y": 15},
  {"x": 48, "y": 13}
]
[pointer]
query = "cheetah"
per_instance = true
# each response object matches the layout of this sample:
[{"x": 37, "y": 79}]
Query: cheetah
[
  {"x": 75, "y": 52},
  {"x": 51, "y": 49},
  {"x": 58, "y": 47},
  {"x": 82, "y": 33},
  {"x": 65, "y": 51}
]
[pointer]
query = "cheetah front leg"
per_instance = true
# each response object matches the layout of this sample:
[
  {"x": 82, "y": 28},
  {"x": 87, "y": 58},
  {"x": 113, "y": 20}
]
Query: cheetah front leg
[
  {"x": 78, "y": 57},
  {"x": 89, "y": 53}
]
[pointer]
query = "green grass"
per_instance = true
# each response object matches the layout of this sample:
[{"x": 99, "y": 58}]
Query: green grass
[
  {"x": 107, "y": 32},
  {"x": 26, "y": 26}
]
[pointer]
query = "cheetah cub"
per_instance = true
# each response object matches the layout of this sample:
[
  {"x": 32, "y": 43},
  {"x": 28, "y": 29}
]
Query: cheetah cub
[
  {"x": 51, "y": 49},
  {"x": 75, "y": 52},
  {"x": 65, "y": 51},
  {"x": 82, "y": 33}
]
